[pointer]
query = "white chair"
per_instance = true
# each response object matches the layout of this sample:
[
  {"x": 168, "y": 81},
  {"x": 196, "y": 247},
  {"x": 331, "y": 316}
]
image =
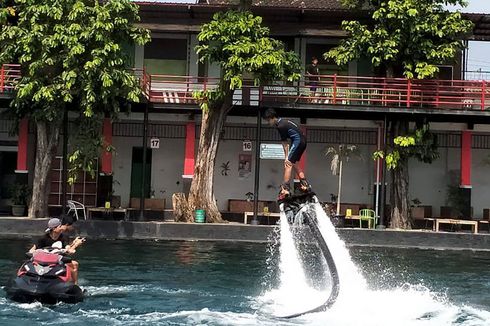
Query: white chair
[{"x": 75, "y": 207}]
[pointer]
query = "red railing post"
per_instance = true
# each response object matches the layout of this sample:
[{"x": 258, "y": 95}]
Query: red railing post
[
  {"x": 483, "y": 94},
  {"x": 438, "y": 94},
  {"x": 409, "y": 92},
  {"x": 149, "y": 87},
  {"x": 383, "y": 96},
  {"x": 1, "y": 79},
  {"x": 334, "y": 89}
]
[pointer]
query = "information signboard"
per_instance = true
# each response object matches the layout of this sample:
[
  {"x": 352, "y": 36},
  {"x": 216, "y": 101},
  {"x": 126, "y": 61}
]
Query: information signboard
[{"x": 272, "y": 152}]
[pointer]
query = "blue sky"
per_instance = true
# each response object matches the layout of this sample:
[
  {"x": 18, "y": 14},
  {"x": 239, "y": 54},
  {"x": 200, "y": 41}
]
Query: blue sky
[{"x": 479, "y": 52}]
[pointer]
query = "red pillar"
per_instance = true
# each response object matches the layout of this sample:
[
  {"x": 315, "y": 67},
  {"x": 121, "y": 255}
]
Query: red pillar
[
  {"x": 466, "y": 159},
  {"x": 22, "y": 145},
  {"x": 107, "y": 155},
  {"x": 190, "y": 144}
]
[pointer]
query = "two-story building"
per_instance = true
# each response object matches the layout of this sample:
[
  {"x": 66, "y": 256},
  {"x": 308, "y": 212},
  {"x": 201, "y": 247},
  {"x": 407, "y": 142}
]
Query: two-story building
[{"x": 349, "y": 107}]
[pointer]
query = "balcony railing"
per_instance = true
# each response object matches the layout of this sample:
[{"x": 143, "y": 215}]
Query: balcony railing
[
  {"x": 335, "y": 90},
  {"x": 477, "y": 75},
  {"x": 328, "y": 90},
  {"x": 9, "y": 77}
]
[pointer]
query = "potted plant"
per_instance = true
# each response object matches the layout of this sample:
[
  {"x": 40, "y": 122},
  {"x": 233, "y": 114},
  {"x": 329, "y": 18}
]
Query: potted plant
[{"x": 20, "y": 196}]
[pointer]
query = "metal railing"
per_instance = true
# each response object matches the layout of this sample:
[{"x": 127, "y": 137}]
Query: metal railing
[
  {"x": 477, "y": 75},
  {"x": 9, "y": 77},
  {"x": 331, "y": 90},
  {"x": 336, "y": 90},
  {"x": 178, "y": 89}
]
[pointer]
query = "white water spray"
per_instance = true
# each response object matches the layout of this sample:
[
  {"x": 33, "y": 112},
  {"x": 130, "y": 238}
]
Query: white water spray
[
  {"x": 292, "y": 273},
  {"x": 407, "y": 305}
]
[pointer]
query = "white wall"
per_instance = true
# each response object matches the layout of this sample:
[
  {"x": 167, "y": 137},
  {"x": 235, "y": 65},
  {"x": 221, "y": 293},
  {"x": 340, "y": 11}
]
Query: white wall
[
  {"x": 166, "y": 171},
  {"x": 428, "y": 182},
  {"x": 480, "y": 194},
  {"x": 167, "y": 167},
  {"x": 358, "y": 177}
]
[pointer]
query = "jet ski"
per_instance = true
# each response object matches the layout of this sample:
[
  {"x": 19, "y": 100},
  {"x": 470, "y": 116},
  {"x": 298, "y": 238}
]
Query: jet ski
[{"x": 45, "y": 278}]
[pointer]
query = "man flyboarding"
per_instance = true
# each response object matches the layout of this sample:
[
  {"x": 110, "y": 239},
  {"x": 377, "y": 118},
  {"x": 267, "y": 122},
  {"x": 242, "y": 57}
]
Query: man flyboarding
[{"x": 293, "y": 151}]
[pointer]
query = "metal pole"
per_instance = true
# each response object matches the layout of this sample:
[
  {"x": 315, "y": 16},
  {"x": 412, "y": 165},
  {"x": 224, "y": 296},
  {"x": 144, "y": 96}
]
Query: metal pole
[
  {"x": 143, "y": 170},
  {"x": 258, "y": 135},
  {"x": 378, "y": 171},
  {"x": 383, "y": 180},
  {"x": 64, "y": 172}
]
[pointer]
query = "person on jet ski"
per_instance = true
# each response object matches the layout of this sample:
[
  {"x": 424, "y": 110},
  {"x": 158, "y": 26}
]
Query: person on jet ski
[
  {"x": 54, "y": 233},
  {"x": 293, "y": 152}
]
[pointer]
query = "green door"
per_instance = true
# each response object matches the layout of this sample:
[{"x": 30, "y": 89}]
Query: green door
[{"x": 137, "y": 172}]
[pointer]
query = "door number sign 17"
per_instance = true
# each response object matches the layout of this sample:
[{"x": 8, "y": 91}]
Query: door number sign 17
[{"x": 155, "y": 143}]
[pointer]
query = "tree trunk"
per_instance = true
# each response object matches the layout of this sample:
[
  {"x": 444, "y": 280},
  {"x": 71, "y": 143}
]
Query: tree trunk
[
  {"x": 47, "y": 142},
  {"x": 400, "y": 203},
  {"x": 181, "y": 208},
  {"x": 201, "y": 195},
  {"x": 340, "y": 188}
]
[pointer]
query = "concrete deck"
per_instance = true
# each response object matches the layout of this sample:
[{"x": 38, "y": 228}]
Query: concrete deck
[{"x": 11, "y": 227}]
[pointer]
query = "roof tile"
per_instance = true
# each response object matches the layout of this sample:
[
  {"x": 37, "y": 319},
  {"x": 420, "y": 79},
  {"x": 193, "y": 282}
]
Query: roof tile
[{"x": 306, "y": 4}]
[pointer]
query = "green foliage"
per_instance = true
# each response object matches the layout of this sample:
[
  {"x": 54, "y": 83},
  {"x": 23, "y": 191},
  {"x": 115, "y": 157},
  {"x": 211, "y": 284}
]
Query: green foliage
[
  {"x": 410, "y": 36},
  {"x": 87, "y": 145},
  {"x": 20, "y": 194},
  {"x": 421, "y": 144},
  {"x": 238, "y": 42},
  {"x": 71, "y": 56}
]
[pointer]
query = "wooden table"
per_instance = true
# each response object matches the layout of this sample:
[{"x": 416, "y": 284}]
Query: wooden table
[
  {"x": 474, "y": 224},
  {"x": 108, "y": 211},
  {"x": 251, "y": 214}
]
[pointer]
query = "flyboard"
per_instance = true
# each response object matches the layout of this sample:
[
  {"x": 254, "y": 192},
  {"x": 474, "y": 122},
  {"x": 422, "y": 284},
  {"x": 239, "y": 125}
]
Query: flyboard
[{"x": 296, "y": 209}]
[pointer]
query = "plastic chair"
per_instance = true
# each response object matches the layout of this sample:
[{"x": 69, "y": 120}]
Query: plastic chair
[
  {"x": 75, "y": 207},
  {"x": 368, "y": 215}
]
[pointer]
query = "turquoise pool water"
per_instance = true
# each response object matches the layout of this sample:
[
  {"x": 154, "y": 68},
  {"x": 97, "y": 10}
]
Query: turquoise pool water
[{"x": 217, "y": 283}]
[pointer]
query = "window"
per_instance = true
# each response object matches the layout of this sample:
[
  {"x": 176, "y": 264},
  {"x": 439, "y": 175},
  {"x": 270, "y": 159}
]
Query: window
[
  {"x": 327, "y": 67},
  {"x": 166, "y": 56}
]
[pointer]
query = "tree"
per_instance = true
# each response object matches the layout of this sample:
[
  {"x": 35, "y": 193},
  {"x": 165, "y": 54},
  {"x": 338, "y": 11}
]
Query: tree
[
  {"x": 420, "y": 144},
  {"x": 339, "y": 155},
  {"x": 238, "y": 42},
  {"x": 406, "y": 38},
  {"x": 71, "y": 57}
]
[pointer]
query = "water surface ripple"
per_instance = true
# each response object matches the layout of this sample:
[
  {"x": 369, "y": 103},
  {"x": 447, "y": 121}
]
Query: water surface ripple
[{"x": 218, "y": 283}]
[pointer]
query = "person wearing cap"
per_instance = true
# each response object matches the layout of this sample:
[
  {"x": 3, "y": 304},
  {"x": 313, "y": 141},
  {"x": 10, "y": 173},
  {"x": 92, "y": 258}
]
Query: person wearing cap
[{"x": 54, "y": 233}]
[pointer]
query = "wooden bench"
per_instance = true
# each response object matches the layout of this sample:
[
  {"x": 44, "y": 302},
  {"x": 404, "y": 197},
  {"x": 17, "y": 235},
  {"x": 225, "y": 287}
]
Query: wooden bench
[
  {"x": 426, "y": 220},
  {"x": 474, "y": 224},
  {"x": 246, "y": 215}
]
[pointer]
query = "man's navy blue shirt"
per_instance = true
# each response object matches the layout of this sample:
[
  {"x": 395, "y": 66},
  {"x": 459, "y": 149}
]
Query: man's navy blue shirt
[{"x": 289, "y": 130}]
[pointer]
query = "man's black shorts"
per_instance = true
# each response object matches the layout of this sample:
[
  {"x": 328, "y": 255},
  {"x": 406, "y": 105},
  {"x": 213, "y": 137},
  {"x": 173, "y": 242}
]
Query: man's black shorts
[{"x": 296, "y": 151}]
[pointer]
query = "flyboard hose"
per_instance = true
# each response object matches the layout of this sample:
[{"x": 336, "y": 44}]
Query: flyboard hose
[{"x": 293, "y": 208}]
